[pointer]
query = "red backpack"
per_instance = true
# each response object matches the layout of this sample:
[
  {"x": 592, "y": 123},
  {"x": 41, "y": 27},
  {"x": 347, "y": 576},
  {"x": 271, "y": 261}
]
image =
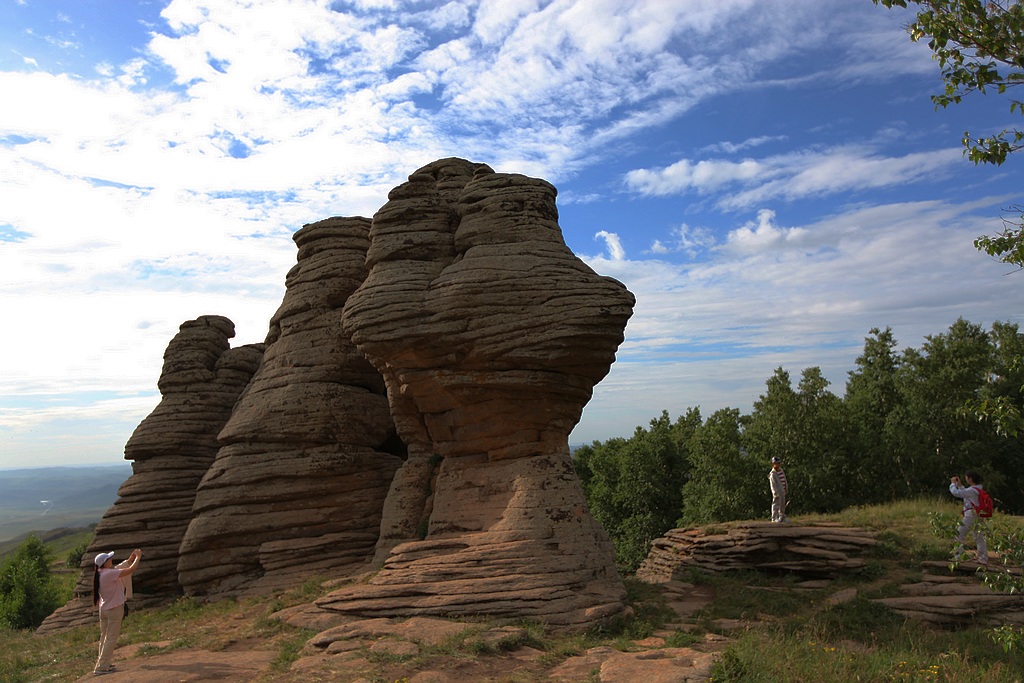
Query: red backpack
[{"x": 985, "y": 505}]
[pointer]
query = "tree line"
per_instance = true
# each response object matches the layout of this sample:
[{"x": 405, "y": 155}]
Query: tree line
[{"x": 907, "y": 422}]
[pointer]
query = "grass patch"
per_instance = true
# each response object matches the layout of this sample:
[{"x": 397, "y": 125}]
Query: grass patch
[
  {"x": 859, "y": 639},
  {"x": 915, "y": 655}
]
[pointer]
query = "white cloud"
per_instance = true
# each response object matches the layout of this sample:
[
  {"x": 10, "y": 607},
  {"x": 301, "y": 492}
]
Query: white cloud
[
  {"x": 168, "y": 186},
  {"x": 704, "y": 333},
  {"x": 842, "y": 170},
  {"x": 702, "y": 176},
  {"x": 762, "y": 235},
  {"x": 793, "y": 175},
  {"x": 687, "y": 239},
  {"x": 613, "y": 244},
  {"x": 727, "y": 147}
]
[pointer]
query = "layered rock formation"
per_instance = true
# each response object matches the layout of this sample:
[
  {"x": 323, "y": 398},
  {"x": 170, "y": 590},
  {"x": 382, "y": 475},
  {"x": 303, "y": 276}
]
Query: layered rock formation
[
  {"x": 306, "y": 459},
  {"x": 954, "y": 599},
  {"x": 457, "y": 320},
  {"x": 171, "y": 450},
  {"x": 820, "y": 550},
  {"x": 490, "y": 334}
]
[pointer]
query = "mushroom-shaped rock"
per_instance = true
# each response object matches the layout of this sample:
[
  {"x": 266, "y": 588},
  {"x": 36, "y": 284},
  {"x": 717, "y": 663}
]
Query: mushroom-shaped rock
[{"x": 490, "y": 334}]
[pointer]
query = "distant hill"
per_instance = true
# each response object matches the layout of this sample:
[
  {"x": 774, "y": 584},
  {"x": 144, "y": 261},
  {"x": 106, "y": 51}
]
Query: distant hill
[
  {"x": 58, "y": 541},
  {"x": 44, "y": 498}
]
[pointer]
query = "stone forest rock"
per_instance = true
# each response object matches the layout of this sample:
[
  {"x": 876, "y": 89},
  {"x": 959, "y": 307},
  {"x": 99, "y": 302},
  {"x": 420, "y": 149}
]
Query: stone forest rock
[
  {"x": 406, "y": 420},
  {"x": 171, "y": 450},
  {"x": 819, "y": 550},
  {"x": 307, "y": 458},
  {"x": 490, "y": 335}
]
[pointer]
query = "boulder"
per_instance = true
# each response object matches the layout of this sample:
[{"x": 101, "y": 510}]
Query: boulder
[
  {"x": 305, "y": 462},
  {"x": 490, "y": 335}
]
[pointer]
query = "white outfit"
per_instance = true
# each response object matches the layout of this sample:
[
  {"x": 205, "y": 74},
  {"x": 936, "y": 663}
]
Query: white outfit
[
  {"x": 969, "y": 494},
  {"x": 780, "y": 491}
]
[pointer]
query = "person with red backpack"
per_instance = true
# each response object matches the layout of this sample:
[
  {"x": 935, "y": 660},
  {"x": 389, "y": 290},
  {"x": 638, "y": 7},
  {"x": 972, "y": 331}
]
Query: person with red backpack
[{"x": 977, "y": 504}]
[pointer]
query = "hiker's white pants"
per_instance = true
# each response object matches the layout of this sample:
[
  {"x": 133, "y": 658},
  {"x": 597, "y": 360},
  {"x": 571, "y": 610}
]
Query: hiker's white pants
[
  {"x": 778, "y": 508},
  {"x": 970, "y": 517}
]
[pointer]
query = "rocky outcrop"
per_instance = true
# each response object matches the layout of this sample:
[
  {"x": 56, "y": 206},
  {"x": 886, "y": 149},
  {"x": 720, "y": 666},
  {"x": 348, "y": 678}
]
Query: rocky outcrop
[
  {"x": 307, "y": 458},
  {"x": 171, "y": 450},
  {"x": 956, "y": 598},
  {"x": 819, "y": 550},
  {"x": 490, "y": 335}
]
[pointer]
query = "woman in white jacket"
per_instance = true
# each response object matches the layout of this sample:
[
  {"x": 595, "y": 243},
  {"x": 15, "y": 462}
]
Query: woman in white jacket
[
  {"x": 780, "y": 491},
  {"x": 969, "y": 494}
]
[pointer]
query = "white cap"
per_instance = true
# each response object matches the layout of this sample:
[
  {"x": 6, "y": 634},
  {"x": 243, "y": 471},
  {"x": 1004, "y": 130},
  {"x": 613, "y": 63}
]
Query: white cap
[{"x": 102, "y": 558}]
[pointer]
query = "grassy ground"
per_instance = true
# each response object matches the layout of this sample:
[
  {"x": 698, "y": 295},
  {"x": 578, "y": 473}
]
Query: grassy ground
[
  {"x": 799, "y": 638},
  {"x": 789, "y": 635},
  {"x": 25, "y": 657}
]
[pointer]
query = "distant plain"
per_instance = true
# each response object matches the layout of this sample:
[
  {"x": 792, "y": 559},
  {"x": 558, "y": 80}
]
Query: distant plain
[{"x": 43, "y": 498}]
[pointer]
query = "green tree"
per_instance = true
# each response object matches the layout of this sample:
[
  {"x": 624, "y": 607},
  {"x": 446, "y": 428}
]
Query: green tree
[
  {"x": 725, "y": 483},
  {"x": 978, "y": 45},
  {"x": 805, "y": 427},
  {"x": 598, "y": 468},
  {"x": 825, "y": 445},
  {"x": 872, "y": 395},
  {"x": 999, "y": 402},
  {"x": 933, "y": 437},
  {"x": 634, "y": 487},
  {"x": 28, "y": 593}
]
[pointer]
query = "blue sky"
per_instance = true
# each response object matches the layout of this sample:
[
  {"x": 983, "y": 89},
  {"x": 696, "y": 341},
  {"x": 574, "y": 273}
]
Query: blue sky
[{"x": 769, "y": 178}]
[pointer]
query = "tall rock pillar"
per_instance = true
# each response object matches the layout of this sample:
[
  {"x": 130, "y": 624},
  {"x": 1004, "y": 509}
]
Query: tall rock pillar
[
  {"x": 490, "y": 334},
  {"x": 171, "y": 450},
  {"x": 306, "y": 459}
]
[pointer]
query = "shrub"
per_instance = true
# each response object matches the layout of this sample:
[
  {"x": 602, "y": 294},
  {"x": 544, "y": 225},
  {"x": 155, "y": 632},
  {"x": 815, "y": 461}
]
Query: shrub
[{"x": 28, "y": 592}]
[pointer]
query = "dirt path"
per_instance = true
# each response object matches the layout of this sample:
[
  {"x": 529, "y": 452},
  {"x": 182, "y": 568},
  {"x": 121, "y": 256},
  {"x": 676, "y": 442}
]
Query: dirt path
[{"x": 187, "y": 665}]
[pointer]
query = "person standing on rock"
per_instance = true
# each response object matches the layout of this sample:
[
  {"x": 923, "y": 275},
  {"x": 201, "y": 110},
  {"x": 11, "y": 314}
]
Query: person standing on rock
[
  {"x": 780, "y": 490},
  {"x": 108, "y": 594},
  {"x": 970, "y": 496}
]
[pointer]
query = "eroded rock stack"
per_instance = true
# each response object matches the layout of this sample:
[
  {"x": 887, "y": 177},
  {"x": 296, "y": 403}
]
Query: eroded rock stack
[
  {"x": 171, "y": 450},
  {"x": 307, "y": 458},
  {"x": 822, "y": 550},
  {"x": 490, "y": 334},
  {"x": 457, "y": 320}
]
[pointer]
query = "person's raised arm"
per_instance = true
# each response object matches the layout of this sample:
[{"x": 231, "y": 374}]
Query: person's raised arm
[
  {"x": 955, "y": 488},
  {"x": 133, "y": 563}
]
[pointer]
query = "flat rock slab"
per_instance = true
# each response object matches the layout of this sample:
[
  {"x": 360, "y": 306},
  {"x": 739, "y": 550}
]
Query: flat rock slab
[
  {"x": 957, "y": 595},
  {"x": 820, "y": 550},
  {"x": 668, "y": 665},
  {"x": 424, "y": 630}
]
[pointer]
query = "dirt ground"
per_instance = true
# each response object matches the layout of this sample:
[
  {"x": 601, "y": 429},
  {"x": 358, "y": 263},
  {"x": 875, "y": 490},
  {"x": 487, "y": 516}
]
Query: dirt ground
[{"x": 382, "y": 657}]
